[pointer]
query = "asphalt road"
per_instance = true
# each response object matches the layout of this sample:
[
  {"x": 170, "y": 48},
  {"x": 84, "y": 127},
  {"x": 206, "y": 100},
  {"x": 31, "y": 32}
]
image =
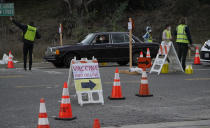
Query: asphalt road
[{"x": 178, "y": 99}]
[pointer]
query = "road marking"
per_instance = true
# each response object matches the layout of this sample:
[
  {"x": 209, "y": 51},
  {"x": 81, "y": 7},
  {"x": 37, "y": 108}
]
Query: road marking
[
  {"x": 202, "y": 69},
  {"x": 181, "y": 124},
  {"x": 11, "y": 76},
  {"x": 53, "y": 72},
  {"x": 36, "y": 86},
  {"x": 125, "y": 82},
  {"x": 198, "y": 79}
]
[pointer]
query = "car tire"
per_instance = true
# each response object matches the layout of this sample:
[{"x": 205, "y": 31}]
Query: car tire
[
  {"x": 58, "y": 65},
  {"x": 67, "y": 60},
  {"x": 122, "y": 63}
]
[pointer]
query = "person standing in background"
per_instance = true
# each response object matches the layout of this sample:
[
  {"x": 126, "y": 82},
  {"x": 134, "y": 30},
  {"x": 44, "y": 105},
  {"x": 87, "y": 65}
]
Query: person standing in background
[
  {"x": 166, "y": 36},
  {"x": 183, "y": 39}
]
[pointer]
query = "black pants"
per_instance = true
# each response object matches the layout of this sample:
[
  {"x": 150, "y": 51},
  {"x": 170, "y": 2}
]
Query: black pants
[
  {"x": 182, "y": 53},
  {"x": 27, "y": 48}
]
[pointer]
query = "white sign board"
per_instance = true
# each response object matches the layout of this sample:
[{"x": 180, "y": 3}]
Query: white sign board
[
  {"x": 85, "y": 70},
  {"x": 87, "y": 80},
  {"x": 129, "y": 26}
]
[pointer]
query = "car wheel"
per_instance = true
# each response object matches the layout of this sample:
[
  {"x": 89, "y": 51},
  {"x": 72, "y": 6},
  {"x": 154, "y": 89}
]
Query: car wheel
[
  {"x": 122, "y": 63},
  {"x": 67, "y": 60},
  {"x": 58, "y": 65},
  {"x": 135, "y": 59}
]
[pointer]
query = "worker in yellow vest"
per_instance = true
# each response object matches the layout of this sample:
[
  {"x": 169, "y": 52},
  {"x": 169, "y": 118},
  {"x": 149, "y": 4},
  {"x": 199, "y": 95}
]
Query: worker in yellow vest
[
  {"x": 183, "y": 39},
  {"x": 166, "y": 36},
  {"x": 30, "y": 33},
  {"x": 148, "y": 35}
]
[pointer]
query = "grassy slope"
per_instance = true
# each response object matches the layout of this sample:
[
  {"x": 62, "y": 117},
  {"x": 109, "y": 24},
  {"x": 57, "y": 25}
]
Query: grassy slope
[{"x": 47, "y": 17}]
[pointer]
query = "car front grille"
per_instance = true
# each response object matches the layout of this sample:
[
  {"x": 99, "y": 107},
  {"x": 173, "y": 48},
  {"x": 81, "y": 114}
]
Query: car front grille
[{"x": 205, "y": 55}]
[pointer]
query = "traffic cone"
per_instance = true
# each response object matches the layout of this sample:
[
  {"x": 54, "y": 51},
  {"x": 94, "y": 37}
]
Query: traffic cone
[
  {"x": 10, "y": 62},
  {"x": 144, "y": 87},
  {"x": 65, "y": 106},
  {"x": 116, "y": 88},
  {"x": 141, "y": 54},
  {"x": 96, "y": 123},
  {"x": 148, "y": 53},
  {"x": 43, "y": 119},
  {"x": 197, "y": 56}
]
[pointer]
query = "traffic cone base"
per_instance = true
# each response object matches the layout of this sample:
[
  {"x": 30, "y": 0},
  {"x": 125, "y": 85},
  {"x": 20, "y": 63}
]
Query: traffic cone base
[
  {"x": 65, "y": 119},
  {"x": 96, "y": 123},
  {"x": 121, "y": 98},
  {"x": 150, "y": 95},
  {"x": 44, "y": 126}
]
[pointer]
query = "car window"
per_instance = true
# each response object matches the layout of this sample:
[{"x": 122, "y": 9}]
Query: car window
[
  {"x": 120, "y": 38},
  {"x": 101, "y": 39},
  {"x": 87, "y": 39}
]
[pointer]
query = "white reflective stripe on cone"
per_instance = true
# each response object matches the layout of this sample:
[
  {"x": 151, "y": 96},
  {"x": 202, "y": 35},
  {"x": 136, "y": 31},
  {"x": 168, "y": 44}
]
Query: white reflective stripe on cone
[
  {"x": 144, "y": 74},
  {"x": 65, "y": 100},
  {"x": 42, "y": 108},
  {"x": 65, "y": 92},
  {"x": 144, "y": 81},
  {"x": 117, "y": 76},
  {"x": 43, "y": 121},
  {"x": 116, "y": 83}
]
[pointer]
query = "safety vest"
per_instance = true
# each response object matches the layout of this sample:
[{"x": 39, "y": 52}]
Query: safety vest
[
  {"x": 181, "y": 34},
  {"x": 30, "y": 33},
  {"x": 150, "y": 38},
  {"x": 168, "y": 34}
]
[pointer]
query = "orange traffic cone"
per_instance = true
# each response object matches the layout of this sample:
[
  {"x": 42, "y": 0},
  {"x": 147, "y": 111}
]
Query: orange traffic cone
[
  {"x": 116, "y": 88},
  {"x": 197, "y": 56},
  {"x": 148, "y": 53},
  {"x": 43, "y": 119},
  {"x": 10, "y": 62},
  {"x": 144, "y": 87},
  {"x": 96, "y": 123},
  {"x": 65, "y": 106},
  {"x": 141, "y": 54}
]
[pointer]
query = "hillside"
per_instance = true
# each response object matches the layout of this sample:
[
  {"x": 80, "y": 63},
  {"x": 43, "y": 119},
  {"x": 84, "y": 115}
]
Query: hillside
[{"x": 100, "y": 15}]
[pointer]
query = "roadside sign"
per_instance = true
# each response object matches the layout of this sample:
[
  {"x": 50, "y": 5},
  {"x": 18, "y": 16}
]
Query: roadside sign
[
  {"x": 129, "y": 25},
  {"x": 86, "y": 76},
  {"x": 83, "y": 85},
  {"x": 7, "y": 9},
  {"x": 87, "y": 80}
]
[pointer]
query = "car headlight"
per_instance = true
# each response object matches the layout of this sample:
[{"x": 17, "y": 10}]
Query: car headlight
[{"x": 52, "y": 51}]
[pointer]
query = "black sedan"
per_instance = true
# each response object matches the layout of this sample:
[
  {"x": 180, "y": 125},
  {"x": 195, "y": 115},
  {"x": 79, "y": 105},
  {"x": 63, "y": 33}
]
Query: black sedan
[{"x": 105, "y": 46}]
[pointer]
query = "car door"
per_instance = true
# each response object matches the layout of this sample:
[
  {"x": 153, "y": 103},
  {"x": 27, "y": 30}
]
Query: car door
[
  {"x": 99, "y": 47},
  {"x": 120, "y": 46}
]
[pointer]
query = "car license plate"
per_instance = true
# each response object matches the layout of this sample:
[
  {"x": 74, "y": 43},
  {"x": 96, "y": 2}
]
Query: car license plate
[{"x": 206, "y": 55}]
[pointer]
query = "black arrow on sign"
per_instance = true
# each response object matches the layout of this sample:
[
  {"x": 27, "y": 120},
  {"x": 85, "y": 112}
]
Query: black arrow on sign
[{"x": 89, "y": 84}]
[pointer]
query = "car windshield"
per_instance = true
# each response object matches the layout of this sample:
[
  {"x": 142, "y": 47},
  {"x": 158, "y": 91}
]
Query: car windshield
[{"x": 87, "y": 39}]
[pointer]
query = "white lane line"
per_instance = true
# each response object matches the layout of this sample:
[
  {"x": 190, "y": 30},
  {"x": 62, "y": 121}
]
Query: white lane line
[{"x": 183, "y": 124}]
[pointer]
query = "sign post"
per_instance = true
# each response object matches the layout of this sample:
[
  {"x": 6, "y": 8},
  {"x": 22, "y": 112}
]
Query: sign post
[
  {"x": 130, "y": 41},
  {"x": 61, "y": 36},
  {"x": 7, "y": 9}
]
